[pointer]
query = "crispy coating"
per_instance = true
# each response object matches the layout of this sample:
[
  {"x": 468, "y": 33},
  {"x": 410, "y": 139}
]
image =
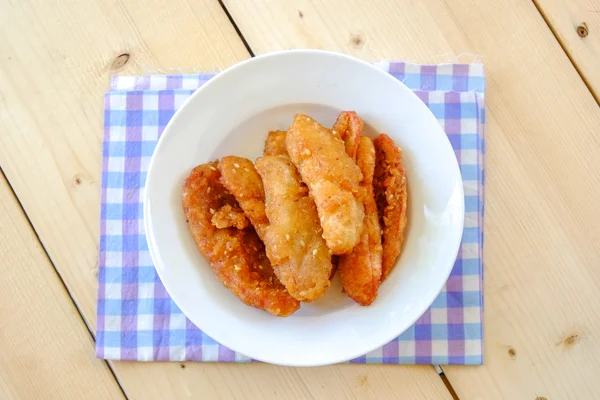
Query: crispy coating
[
  {"x": 298, "y": 253},
  {"x": 292, "y": 215},
  {"x": 391, "y": 197},
  {"x": 333, "y": 179},
  {"x": 240, "y": 178},
  {"x": 237, "y": 257},
  {"x": 360, "y": 270},
  {"x": 275, "y": 144},
  {"x": 349, "y": 126},
  {"x": 229, "y": 216}
]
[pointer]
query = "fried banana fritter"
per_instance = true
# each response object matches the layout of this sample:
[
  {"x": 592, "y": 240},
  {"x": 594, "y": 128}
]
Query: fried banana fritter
[
  {"x": 360, "y": 270},
  {"x": 333, "y": 179},
  {"x": 240, "y": 178},
  {"x": 275, "y": 144},
  {"x": 286, "y": 220},
  {"x": 391, "y": 197},
  {"x": 229, "y": 216},
  {"x": 349, "y": 126},
  {"x": 237, "y": 257},
  {"x": 300, "y": 258}
]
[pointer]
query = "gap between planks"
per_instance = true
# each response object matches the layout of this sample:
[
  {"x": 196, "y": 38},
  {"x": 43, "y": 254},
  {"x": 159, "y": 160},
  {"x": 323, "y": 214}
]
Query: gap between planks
[
  {"x": 563, "y": 46},
  {"x": 58, "y": 276},
  {"x": 449, "y": 386},
  {"x": 237, "y": 29}
]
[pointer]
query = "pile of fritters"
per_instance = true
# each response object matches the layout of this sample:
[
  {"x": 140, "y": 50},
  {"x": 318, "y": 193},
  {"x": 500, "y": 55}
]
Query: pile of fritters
[{"x": 274, "y": 231}]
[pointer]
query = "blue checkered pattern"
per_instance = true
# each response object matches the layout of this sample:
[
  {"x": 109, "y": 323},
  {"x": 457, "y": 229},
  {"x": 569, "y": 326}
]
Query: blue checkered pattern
[{"x": 137, "y": 320}]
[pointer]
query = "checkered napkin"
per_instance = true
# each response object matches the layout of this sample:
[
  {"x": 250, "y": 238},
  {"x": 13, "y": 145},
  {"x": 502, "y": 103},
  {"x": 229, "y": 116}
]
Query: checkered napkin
[{"x": 137, "y": 320}]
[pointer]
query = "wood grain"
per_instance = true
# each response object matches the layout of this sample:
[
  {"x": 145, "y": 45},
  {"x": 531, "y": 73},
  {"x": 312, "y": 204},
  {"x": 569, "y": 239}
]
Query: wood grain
[
  {"x": 56, "y": 59},
  {"x": 53, "y": 76},
  {"x": 263, "y": 381},
  {"x": 541, "y": 249},
  {"x": 576, "y": 24},
  {"x": 47, "y": 351}
]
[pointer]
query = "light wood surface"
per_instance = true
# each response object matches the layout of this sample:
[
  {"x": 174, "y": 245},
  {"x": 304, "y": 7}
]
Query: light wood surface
[
  {"x": 576, "y": 23},
  {"x": 56, "y": 63},
  {"x": 46, "y": 348},
  {"x": 541, "y": 248},
  {"x": 54, "y": 70},
  {"x": 542, "y": 232},
  {"x": 262, "y": 381}
]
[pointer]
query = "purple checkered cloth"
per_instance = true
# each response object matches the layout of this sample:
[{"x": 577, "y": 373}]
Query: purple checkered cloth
[{"x": 136, "y": 318}]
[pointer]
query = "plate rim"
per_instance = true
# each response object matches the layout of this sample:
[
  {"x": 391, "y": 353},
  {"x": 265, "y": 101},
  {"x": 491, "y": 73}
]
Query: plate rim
[{"x": 222, "y": 75}]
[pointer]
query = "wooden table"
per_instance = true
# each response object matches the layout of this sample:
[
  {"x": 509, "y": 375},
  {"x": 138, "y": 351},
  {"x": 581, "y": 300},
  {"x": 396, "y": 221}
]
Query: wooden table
[{"x": 542, "y": 252}]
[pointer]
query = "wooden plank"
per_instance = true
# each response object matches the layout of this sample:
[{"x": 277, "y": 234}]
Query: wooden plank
[
  {"x": 53, "y": 76},
  {"x": 263, "y": 381},
  {"x": 576, "y": 24},
  {"x": 541, "y": 251},
  {"x": 47, "y": 351},
  {"x": 54, "y": 69}
]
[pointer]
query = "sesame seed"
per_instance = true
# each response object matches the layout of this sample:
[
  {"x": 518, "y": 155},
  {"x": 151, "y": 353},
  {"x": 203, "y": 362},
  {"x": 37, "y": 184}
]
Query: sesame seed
[
  {"x": 260, "y": 267},
  {"x": 307, "y": 152},
  {"x": 308, "y": 119},
  {"x": 287, "y": 236},
  {"x": 302, "y": 243},
  {"x": 237, "y": 267},
  {"x": 274, "y": 247},
  {"x": 334, "y": 132},
  {"x": 225, "y": 252},
  {"x": 233, "y": 170},
  {"x": 246, "y": 169},
  {"x": 236, "y": 165},
  {"x": 314, "y": 252},
  {"x": 208, "y": 190},
  {"x": 212, "y": 211},
  {"x": 213, "y": 168},
  {"x": 391, "y": 197}
]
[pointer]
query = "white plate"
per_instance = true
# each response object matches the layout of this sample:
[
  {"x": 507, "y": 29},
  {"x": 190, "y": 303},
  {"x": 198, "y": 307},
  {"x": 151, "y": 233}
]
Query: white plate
[{"x": 231, "y": 115}]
